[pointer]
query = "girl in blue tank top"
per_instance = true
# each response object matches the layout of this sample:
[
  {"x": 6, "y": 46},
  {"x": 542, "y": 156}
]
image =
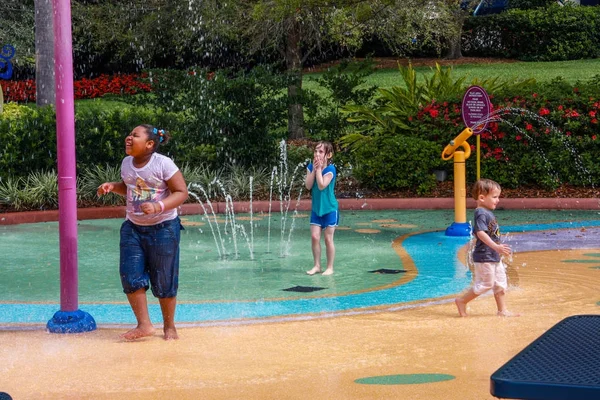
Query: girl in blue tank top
[{"x": 320, "y": 180}]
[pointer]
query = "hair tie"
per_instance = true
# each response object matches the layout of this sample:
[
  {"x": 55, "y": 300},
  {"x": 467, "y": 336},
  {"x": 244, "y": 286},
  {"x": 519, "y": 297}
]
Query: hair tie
[{"x": 160, "y": 133}]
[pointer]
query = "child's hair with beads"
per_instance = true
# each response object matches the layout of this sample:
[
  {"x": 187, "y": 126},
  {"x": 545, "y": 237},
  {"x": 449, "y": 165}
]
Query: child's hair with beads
[{"x": 159, "y": 136}]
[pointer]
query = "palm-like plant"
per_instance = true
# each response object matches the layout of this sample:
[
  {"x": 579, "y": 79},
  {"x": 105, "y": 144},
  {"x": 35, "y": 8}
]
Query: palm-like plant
[{"x": 92, "y": 177}]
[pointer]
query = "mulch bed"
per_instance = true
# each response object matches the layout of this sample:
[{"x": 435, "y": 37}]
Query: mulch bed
[
  {"x": 446, "y": 189},
  {"x": 442, "y": 190}
]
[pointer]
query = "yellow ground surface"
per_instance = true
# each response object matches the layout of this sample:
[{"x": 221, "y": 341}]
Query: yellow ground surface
[{"x": 314, "y": 359}]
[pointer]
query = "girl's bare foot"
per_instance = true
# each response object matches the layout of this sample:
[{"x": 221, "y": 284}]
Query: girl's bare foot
[
  {"x": 462, "y": 307},
  {"x": 314, "y": 270},
  {"x": 507, "y": 313},
  {"x": 328, "y": 271},
  {"x": 171, "y": 333},
  {"x": 138, "y": 332}
]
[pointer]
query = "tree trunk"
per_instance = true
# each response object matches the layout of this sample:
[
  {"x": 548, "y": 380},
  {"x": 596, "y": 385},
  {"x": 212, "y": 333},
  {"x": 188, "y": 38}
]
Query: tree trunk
[
  {"x": 454, "y": 50},
  {"x": 293, "y": 60},
  {"x": 455, "y": 38},
  {"x": 44, "y": 53}
]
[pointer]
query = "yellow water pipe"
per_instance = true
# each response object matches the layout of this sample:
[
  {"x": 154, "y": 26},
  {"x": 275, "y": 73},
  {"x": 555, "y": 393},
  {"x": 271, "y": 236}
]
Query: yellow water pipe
[{"x": 459, "y": 150}]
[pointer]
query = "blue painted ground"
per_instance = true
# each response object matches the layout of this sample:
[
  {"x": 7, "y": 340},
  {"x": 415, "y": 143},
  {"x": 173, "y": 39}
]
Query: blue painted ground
[{"x": 440, "y": 274}]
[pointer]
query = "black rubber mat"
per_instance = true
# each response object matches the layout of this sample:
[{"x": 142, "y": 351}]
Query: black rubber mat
[{"x": 303, "y": 289}]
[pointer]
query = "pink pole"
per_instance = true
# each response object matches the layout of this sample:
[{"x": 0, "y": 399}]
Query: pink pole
[{"x": 65, "y": 132}]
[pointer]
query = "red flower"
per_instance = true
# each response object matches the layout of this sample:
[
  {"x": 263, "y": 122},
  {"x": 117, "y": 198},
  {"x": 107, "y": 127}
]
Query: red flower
[
  {"x": 594, "y": 137},
  {"x": 518, "y": 137},
  {"x": 434, "y": 113},
  {"x": 544, "y": 111},
  {"x": 560, "y": 107},
  {"x": 24, "y": 91},
  {"x": 593, "y": 114},
  {"x": 535, "y": 95},
  {"x": 594, "y": 121},
  {"x": 528, "y": 126}
]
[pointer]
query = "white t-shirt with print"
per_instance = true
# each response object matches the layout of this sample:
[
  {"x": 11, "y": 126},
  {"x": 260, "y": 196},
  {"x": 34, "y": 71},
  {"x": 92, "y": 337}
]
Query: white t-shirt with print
[{"x": 148, "y": 183}]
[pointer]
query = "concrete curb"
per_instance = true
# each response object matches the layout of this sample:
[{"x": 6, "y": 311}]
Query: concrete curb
[{"x": 304, "y": 205}]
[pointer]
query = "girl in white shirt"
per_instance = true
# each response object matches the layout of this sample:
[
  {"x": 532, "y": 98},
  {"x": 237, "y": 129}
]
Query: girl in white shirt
[{"x": 154, "y": 188}]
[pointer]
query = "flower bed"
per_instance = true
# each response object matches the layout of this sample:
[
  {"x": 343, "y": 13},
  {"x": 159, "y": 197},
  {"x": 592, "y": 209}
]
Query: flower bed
[{"x": 121, "y": 84}]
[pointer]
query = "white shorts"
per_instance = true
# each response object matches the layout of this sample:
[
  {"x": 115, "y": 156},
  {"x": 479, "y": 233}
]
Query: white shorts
[{"x": 490, "y": 275}]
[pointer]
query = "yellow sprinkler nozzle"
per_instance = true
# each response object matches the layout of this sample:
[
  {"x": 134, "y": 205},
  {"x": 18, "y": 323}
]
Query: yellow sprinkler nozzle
[{"x": 458, "y": 141}]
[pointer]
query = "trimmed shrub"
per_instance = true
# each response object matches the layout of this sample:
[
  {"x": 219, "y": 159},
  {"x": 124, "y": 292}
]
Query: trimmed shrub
[
  {"x": 399, "y": 162},
  {"x": 542, "y": 34}
]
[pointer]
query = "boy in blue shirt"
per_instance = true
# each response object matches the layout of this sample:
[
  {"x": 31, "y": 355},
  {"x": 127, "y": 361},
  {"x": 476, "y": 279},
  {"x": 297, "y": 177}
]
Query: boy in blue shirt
[{"x": 320, "y": 180}]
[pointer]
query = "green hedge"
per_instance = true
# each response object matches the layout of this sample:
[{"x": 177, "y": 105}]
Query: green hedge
[
  {"x": 399, "y": 162},
  {"x": 542, "y": 34},
  {"x": 28, "y": 138}
]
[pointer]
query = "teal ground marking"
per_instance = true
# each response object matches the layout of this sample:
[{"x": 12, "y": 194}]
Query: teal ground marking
[
  {"x": 227, "y": 291},
  {"x": 592, "y": 254},
  {"x": 405, "y": 379},
  {"x": 596, "y": 267}
]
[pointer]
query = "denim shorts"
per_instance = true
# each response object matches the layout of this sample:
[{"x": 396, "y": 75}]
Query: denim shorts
[
  {"x": 150, "y": 257},
  {"x": 324, "y": 221}
]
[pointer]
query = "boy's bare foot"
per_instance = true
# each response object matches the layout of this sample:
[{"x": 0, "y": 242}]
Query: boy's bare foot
[
  {"x": 314, "y": 270},
  {"x": 462, "y": 307},
  {"x": 171, "y": 334},
  {"x": 328, "y": 271},
  {"x": 138, "y": 333},
  {"x": 507, "y": 314}
]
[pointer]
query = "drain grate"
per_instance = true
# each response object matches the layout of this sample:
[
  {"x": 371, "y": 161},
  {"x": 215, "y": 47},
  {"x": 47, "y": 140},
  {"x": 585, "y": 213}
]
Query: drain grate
[
  {"x": 387, "y": 271},
  {"x": 303, "y": 289}
]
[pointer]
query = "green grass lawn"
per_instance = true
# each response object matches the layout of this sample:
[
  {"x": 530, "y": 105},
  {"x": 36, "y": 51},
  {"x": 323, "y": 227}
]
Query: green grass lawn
[{"x": 571, "y": 71}]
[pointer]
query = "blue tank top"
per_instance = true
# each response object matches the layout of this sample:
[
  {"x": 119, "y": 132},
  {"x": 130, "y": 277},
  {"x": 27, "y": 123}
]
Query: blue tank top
[{"x": 324, "y": 201}]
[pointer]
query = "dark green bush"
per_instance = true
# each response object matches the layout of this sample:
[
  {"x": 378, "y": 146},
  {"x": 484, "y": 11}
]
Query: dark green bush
[
  {"x": 101, "y": 134},
  {"x": 398, "y": 162},
  {"x": 28, "y": 137},
  {"x": 325, "y": 121},
  {"x": 529, "y": 4},
  {"x": 542, "y": 34},
  {"x": 233, "y": 118}
]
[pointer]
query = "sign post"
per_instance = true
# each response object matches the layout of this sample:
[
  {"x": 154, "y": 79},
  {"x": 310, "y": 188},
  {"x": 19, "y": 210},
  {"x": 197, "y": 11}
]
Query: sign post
[{"x": 476, "y": 107}]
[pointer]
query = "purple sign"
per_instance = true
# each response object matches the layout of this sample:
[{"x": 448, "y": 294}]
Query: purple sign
[{"x": 476, "y": 106}]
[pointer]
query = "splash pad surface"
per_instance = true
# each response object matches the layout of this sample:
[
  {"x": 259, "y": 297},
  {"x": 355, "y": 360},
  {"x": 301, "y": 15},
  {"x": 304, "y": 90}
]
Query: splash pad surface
[
  {"x": 304, "y": 356},
  {"x": 415, "y": 263}
]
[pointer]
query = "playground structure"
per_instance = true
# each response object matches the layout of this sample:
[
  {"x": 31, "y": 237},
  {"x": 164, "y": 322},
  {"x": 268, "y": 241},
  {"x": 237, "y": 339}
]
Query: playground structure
[{"x": 459, "y": 150}]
